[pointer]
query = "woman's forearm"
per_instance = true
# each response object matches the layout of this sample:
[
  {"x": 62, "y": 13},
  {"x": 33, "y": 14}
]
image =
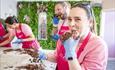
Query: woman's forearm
[
  {"x": 6, "y": 41},
  {"x": 6, "y": 35}
]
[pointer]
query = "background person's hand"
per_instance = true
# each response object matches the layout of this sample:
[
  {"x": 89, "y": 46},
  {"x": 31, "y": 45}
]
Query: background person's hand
[
  {"x": 18, "y": 41},
  {"x": 70, "y": 47},
  {"x": 55, "y": 37},
  {"x": 55, "y": 20}
]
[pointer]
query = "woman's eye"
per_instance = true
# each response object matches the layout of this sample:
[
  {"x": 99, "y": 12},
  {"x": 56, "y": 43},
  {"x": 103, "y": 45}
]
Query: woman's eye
[
  {"x": 69, "y": 19},
  {"x": 77, "y": 19}
]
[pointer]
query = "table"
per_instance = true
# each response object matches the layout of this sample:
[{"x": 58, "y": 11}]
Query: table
[{"x": 12, "y": 59}]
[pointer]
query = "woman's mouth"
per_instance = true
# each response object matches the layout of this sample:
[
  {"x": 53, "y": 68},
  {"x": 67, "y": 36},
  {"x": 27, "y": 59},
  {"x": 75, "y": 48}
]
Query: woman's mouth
[{"x": 75, "y": 34}]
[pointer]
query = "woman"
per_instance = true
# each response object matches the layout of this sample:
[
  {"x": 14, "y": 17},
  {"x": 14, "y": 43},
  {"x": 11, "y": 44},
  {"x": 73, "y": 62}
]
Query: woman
[
  {"x": 3, "y": 34},
  {"x": 22, "y": 31}
]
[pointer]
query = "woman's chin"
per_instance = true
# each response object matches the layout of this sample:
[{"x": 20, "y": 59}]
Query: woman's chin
[{"x": 75, "y": 35}]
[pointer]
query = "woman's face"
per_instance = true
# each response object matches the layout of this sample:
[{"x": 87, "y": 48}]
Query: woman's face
[
  {"x": 13, "y": 26},
  {"x": 78, "y": 21}
]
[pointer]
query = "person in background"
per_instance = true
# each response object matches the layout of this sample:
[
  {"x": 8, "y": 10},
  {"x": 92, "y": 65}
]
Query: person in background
[
  {"x": 22, "y": 31},
  {"x": 60, "y": 19},
  {"x": 3, "y": 33}
]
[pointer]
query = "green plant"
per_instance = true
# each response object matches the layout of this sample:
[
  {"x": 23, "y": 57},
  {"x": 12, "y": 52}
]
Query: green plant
[
  {"x": 30, "y": 9},
  {"x": 97, "y": 12}
]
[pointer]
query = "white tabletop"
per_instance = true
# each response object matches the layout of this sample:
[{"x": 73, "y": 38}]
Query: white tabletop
[{"x": 10, "y": 60}]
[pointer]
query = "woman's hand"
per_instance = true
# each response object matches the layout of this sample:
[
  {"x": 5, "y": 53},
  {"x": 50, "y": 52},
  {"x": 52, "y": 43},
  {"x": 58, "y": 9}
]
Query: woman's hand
[{"x": 70, "y": 47}]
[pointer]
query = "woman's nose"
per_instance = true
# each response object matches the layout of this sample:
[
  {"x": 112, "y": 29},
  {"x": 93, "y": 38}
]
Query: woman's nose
[{"x": 72, "y": 23}]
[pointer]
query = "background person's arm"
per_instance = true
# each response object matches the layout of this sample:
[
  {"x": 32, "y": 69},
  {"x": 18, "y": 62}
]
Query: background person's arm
[
  {"x": 8, "y": 40},
  {"x": 6, "y": 35},
  {"x": 30, "y": 38}
]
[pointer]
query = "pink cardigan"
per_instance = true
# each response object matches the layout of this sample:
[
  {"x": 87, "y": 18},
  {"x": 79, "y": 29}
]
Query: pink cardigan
[{"x": 93, "y": 57}]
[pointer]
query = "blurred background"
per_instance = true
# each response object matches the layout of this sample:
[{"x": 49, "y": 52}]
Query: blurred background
[{"x": 27, "y": 12}]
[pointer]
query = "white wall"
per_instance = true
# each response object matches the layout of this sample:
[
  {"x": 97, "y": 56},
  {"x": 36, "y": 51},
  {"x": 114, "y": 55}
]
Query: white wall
[
  {"x": 108, "y": 30},
  {"x": 108, "y": 5},
  {"x": 0, "y": 8},
  {"x": 8, "y": 7},
  {"x": 108, "y": 25}
]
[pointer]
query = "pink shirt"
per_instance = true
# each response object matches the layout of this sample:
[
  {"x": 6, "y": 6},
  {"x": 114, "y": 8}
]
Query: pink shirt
[
  {"x": 26, "y": 29},
  {"x": 23, "y": 33},
  {"x": 93, "y": 57}
]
